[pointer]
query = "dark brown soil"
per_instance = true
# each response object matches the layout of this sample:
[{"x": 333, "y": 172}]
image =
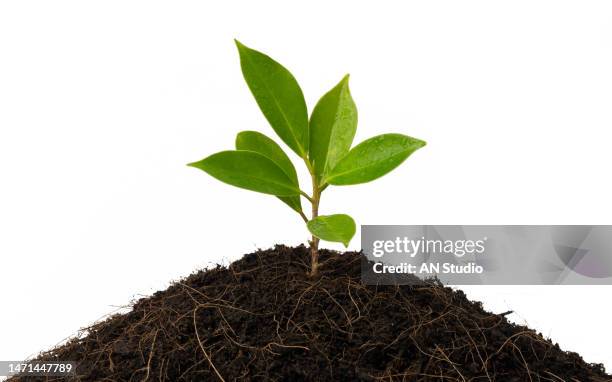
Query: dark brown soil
[{"x": 264, "y": 319}]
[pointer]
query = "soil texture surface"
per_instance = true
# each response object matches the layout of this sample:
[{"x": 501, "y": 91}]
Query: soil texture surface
[{"x": 263, "y": 318}]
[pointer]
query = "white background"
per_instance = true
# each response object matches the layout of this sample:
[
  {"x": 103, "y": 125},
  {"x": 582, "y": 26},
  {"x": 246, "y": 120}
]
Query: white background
[{"x": 103, "y": 103}]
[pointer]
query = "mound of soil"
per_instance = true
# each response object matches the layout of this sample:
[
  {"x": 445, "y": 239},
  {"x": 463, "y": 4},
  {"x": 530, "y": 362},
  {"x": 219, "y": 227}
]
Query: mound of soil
[{"x": 263, "y": 319}]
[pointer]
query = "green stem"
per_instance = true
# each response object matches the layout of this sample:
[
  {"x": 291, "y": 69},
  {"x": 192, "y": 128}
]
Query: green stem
[
  {"x": 306, "y": 196},
  {"x": 314, "y": 200},
  {"x": 314, "y": 243},
  {"x": 303, "y": 217}
]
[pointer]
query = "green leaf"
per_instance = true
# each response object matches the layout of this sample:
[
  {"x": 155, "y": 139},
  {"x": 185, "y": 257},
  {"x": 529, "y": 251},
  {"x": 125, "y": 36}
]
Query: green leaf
[
  {"x": 339, "y": 228},
  {"x": 250, "y": 170},
  {"x": 373, "y": 158},
  {"x": 260, "y": 143},
  {"x": 278, "y": 95},
  {"x": 332, "y": 127}
]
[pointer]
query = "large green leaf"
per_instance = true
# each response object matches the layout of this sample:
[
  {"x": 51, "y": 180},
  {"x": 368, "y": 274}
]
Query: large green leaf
[
  {"x": 339, "y": 228},
  {"x": 332, "y": 127},
  {"x": 250, "y": 170},
  {"x": 373, "y": 158},
  {"x": 278, "y": 95},
  {"x": 260, "y": 143}
]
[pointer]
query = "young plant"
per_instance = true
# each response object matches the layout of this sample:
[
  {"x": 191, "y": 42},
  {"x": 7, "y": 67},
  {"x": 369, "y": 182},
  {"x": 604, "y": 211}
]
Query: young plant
[{"x": 323, "y": 142}]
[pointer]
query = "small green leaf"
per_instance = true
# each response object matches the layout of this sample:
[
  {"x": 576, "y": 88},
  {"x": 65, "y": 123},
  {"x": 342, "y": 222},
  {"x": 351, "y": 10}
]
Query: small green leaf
[
  {"x": 332, "y": 127},
  {"x": 339, "y": 228},
  {"x": 278, "y": 95},
  {"x": 294, "y": 202},
  {"x": 249, "y": 170},
  {"x": 260, "y": 143},
  {"x": 373, "y": 158}
]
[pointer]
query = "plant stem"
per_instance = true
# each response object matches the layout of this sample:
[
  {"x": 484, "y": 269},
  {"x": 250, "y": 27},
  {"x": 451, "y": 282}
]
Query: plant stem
[
  {"x": 303, "y": 217},
  {"x": 306, "y": 196},
  {"x": 314, "y": 200},
  {"x": 314, "y": 243}
]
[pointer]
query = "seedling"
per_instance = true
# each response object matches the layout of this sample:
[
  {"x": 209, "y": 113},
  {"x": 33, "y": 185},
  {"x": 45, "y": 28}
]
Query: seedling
[{"x": 323, "y": 143}]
